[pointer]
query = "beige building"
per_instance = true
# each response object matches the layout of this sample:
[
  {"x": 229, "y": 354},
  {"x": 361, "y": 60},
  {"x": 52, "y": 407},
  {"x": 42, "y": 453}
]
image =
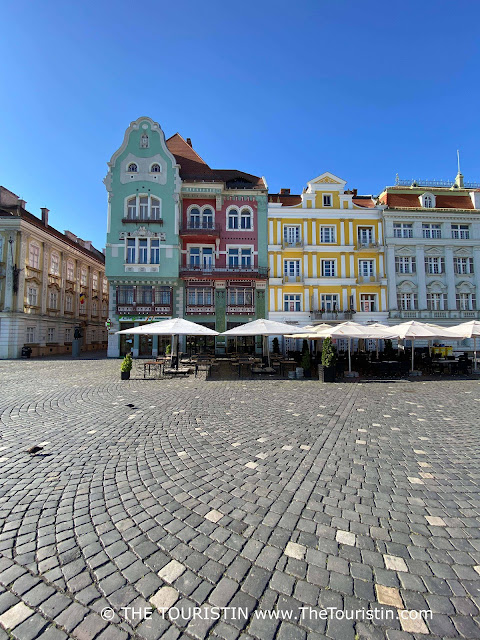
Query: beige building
[{"x": 50, "y": 284}]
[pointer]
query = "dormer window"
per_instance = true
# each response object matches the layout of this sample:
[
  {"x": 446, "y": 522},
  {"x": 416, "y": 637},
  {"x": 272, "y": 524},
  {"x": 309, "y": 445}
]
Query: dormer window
[
  {"x": 132, "y": 168},
  {"x": 427, "y": 200},
  {"x": 144, "y": 141},
  {"x": 327, "y": 200},
  {"x": 155, "y": 168}
]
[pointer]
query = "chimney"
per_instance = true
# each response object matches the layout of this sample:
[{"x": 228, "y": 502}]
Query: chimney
[
  {"x": 355, "y": 191},
  {"x": 189, "y": 141},
  {"x": 22, "y": 203},
  {"x": 87, "y": 244},
  {"x": 44, "y": 211},
  {"x": 284, "y": 192}
]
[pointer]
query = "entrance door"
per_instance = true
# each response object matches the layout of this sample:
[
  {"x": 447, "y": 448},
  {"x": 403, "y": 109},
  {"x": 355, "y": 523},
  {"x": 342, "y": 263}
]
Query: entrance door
[
  {"x": 126, "y": 340},
  {"x": 145, "y": 346}
]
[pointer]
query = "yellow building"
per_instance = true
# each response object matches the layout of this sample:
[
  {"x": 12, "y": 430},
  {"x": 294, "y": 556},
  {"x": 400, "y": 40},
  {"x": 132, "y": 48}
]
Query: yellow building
[
  {"x": 53, "y": 290},
  {"x": 326, "y": 256}
]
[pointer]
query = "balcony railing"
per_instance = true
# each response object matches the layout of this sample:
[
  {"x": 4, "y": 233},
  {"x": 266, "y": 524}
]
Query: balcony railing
[
  {"x": 241, "y": 309},
  {"x": 363, "y": 246},
  {"x": 201, "y": 228},
  {"x": 332, "y": 315},
  {"x": 148, "y": 309},
  {"x": 292, "y": 279},
  {"x": 368, "y": 280},
  {"x": 429, "y": 314},
  {"x": 158, "y": 221},
  {"x": 200, "y": 308},
  {"x": 224, "y": 272}
]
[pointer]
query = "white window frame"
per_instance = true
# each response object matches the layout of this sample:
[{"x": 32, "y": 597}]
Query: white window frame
[
  {"x": 232, "y": 214},
  {"x": 370, "y": 270},
  {"x": 327, "y": 200},
  {"x": 368, "y": 302},
  {"x": 460, "y": 231},
  {"x": 292, "y": 300},
  {"x": 466, "y": 301},
  {"x": 69, "y": 302},
  {"x": 436, "y": 301},
  {"x": 240, "y": 296},
  {"x": 431, "y": 230},
  {"x": 243, "y": 217},
  {"x": 407, "y": 301},
  {"x": 405, "y": 264},
  {"x": 132, "y": 211},
  {"x": 294, "y": 230},
  {"x": 463, "y": 265},
  {"x": 403, "y": 230},
  {"x": 370, "y": 234},
  {"x": 70, "y": 270},
  {"x": 198, "y": 296},
  {"x": 330, "y": 231},
  {"x": 434, "y": 265},
  {"x": 84, "y": 277},
  {"x": 34, "y": 255},
  {"x": 68, "y": 334},
  {"x": 50, "y": 335},
  {"x": 154, "y": 170},
  {"x": 53, "y": 300},
  {"x": 201, "y": 255},
  {"x": 55, "y": 263},
  {"x": 332, "y": 268},
  {"x": 30, "y": 335},
  {"x": 130, "y": 168},
  {"x": 32, "y": 296},
  {"x": 329, "y": 302},
  {"x": 292, "y": 268}
]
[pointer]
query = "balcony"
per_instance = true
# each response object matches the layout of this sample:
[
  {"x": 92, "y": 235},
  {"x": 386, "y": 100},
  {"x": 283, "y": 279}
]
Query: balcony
[
  {"x": 200, "y": 309},
  {"x": 147, "y": 309},
  {"x": 368, "y": 280},
  {"x": 292, "y": 279},
  {"x": 339, "y": 316},
  {"x": 292, "y": 245},
  {"x": 201, "y": 229},
  {"x": 158, "y": 221},
  {"x": 221, "y": 273},
  {"x": 367, "y": 246},
  {"x": 240, "y": 309},
  {"x": 434, "y": 314}
]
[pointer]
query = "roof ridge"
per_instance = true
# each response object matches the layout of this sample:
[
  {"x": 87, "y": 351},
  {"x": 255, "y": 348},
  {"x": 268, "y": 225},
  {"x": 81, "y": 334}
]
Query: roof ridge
[{"x": 179, "y": 135}]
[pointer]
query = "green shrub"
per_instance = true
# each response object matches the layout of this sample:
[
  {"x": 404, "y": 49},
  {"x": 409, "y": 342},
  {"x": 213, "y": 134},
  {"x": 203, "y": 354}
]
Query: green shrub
[
  {"x": 306, "y": 361},
  {"x": 127, "y": 363},
  {"x": 275, "y": 346},
  {"x": 168, "y": 349},
  {"x": 329, "y": 353}
]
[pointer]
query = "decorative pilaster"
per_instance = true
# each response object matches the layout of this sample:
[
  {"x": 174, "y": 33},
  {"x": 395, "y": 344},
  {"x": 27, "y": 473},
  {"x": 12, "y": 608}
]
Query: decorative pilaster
[
  {"x": 422, "y": 286},
  {"x": 391, "y": 278},
  {"x": 450, "y": 274}
]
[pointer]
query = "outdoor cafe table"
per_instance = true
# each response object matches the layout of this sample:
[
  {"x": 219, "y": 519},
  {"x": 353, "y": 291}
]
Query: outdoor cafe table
[
  {"x": 289, "y": 365},
  {"x": 445, "y": 363}
]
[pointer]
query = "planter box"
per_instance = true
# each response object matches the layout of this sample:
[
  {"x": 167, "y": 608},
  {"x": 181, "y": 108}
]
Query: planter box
[
  {"x": 125, "y": 375},
  {"x": 326, "y": 374}
]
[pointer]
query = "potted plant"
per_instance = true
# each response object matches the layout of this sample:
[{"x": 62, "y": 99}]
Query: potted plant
[
  {"x": 126, "y": 367},
  {"x": 326, "y": 371},
  {"x": 306, "y": 364},
  {"x": 168, "y": 349}
]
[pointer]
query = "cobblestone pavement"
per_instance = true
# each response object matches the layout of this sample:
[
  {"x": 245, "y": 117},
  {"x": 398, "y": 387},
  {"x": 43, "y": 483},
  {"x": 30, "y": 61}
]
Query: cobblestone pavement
[{"x": 256, "y": 494}]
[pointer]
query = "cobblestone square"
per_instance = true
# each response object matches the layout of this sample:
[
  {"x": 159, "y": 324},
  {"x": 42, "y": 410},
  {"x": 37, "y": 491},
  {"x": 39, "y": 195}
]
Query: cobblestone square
[{"x": 150, "y": 498}]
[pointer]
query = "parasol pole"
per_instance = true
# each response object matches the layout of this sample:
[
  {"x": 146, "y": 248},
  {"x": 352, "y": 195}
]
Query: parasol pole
[
  {"x": 475, "y": 351},
  {"x": 349, "y": 357},
  {"x": 413, "y": 353}
]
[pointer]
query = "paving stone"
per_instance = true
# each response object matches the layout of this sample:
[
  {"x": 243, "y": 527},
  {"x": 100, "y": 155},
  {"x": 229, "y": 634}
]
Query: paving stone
[
  {"x": 389, "y": 596},
  {"x": 14, "y": 616}
]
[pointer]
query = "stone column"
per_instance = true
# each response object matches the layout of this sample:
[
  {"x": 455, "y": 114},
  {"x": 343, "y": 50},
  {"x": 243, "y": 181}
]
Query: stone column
[
  {"x": 450, "y": 274},
  {"x": 391, "y": 278},
  {"x": 421, "y": 282},
  {"x": 22, "y": 259}
]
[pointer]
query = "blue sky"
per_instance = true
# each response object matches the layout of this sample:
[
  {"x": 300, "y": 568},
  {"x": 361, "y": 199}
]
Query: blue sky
[{"x": 280, "y": 89}]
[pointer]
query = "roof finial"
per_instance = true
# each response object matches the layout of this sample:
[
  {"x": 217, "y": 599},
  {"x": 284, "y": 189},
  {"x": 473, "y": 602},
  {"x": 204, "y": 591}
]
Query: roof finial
[{"x": 459, "y": 178}]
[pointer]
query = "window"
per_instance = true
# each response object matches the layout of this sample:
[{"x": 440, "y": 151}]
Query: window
[
  {"x": 144, "y": 141},
  {"x": 246, "y": 257},
  {"x": 240, "y": 296},
  {"x": 405, "y": 264},
  {"x": 207, "y": 221},
  {"x": 466, "y": 302},
  {"x": 366, "y": 268},
  {"x": 83, "y": 277},
  {"x": 239, "y": 258},
  {"x": 291, "y": 270},
  {"x": 163, "y": 295},
  {"x": 32, "y": 296},
  {"x": 368, "y": 302},
  {"x": 463, "y": 265},
  {"x": 143, "y": 251},
  {"x": 233, "y": 219},
  {"x": 246, "y": 219},
  {"x": 69, "y": 303},
  {"x": 94, "y": 280},
  {"x": 201, "y": 257},
  {"x": 53, "y": 300},
  {"x": 124, "y": 294},
  {"x": 233, "y": 258},
  {"x": 154, "y": 208},
  {"x": 436, "y": 301},
  {"x": 291, "y": 234},
  {"x": 328, "y": 268},
  {"x": 143, "y": 207},
  {"x": 30, "y": 335},
  {"x": 402, "y": 230},
  {"x": 200, "y": 296},
  {"x": 461, "y": 231},
  {"x": 34, "y": 256},
  {"x": 94, "y": 308},
  {"x": 132, "y": 209},
  {"x": 365, "y": 235},
  {"x": 68, "y": 335},
  {"x": 407, "y": 301},
  {"x": 70, "y": 271},
  {"x": 132, "y": 168},
  {"x": 144, "y": 295},
  {"x": 435, "y": 265},
  {"x": 329, "y": 302},
  {"x": 105, "y": 285},
  {"x": 327, "y": 200},
  {"x": 292, "y": 302},
  {"x": 432, "y": 231},
  {"x": 327, "y": 234},
  {"x": 50, "y": 334},
  {"x": 428, "y": 202},
  {"x": 195, "y": 257},
  {"x": 154, "y": 251},
  {"x": 194, "y": 219},
  {"x": 130, "y": 250},
  {"x": 201, "y": 219},
  {"x": 155, "y": 168},
  {"x": 55, "y": 264}
]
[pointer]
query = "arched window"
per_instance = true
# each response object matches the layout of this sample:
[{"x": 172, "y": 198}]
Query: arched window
[
  {"x": 132, "y": 168},
  {"x": 95, "y": 280},
  {"x": 233, "y": 219},
  {"x": 207, "y": 218},
  {"x": 144, "y": 141},
  {"x": 143, "y": 201},
  {"x": 194, "y": 219},
  {"x": 70, "y": 271},
  {"x": 155, "y": 168},
  {"x": 246, "y": 219},
  {"x": 132, "y": 209}
]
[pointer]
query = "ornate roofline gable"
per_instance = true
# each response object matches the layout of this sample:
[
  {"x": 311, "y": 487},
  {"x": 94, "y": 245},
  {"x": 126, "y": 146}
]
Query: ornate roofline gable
[
  {"x": 135, "y": 126},
  {"x": 434, "y": 251},
  {"x": 325, "y": 182}
]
